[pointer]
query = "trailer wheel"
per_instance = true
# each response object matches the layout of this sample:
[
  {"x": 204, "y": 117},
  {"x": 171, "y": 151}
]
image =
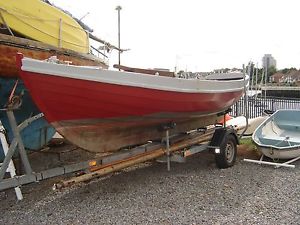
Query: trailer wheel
[{"x": 228, "y": 151}]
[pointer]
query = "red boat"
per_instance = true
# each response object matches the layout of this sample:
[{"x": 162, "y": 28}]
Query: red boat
[{"x": 102, "y": 110}]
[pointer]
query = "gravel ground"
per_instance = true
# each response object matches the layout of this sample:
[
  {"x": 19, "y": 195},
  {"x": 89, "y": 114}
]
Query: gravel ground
[{"x": 195, "y": 192}]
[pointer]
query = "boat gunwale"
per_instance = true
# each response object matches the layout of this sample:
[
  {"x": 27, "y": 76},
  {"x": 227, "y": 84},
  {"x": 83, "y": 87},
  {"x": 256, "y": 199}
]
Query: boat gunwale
[{"x": 133, "y": 79}]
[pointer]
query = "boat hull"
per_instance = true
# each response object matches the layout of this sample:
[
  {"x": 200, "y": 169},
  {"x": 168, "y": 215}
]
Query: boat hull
[
  {"x": 10, "y": 46},
  {"x": 278, "y": 136},
  {"x": 98, "y": 135},
  {"x": 280, "y": 154},
  {"x": 36, "y": 134},
  {"x": 239, "y": 124},
  {"x": 40, "y": 21},
  {"x": 104, "y": 110}
]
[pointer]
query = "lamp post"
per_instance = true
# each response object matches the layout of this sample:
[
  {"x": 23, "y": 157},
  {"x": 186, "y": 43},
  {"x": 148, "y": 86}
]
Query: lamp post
[{"x": 118, "y": 8}]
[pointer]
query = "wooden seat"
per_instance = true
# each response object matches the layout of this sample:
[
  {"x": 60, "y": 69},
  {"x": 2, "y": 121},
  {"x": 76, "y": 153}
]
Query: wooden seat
[{"x": 145, "y": 71}]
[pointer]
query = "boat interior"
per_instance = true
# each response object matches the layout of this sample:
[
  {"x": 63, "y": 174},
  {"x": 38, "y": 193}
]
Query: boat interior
[
  {"x": 146, "y": 71},
  {"x": 282, "y": 131}
]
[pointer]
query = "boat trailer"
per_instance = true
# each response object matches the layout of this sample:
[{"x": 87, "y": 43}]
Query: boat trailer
[{"x": 220, "y": 140}]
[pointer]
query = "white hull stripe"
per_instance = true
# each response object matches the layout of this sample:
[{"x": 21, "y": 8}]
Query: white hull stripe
[{"x": 133, "y": 79}]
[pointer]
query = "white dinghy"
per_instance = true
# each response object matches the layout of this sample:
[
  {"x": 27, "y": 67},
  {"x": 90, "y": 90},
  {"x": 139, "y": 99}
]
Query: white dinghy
[{"x": 278, "y": 137}]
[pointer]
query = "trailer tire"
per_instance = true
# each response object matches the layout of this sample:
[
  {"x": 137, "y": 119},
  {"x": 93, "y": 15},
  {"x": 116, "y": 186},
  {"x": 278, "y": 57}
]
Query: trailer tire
[{"x": 228, "y": 151}]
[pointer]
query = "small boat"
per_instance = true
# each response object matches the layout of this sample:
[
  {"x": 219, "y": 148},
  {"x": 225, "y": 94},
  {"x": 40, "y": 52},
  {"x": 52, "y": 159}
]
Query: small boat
[
  {"x": 278, "y": 137},
  {"x": 39, "y": 30},
  {"x": 40, "y": 21},
  {"x": 103, "y": 110},
  {"x": 239, "y": 124}
]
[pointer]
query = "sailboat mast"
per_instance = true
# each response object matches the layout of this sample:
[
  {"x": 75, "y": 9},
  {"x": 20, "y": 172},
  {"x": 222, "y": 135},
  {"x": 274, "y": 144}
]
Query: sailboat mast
[
  {"x": 256, "y": 77},
  {"x": 266, "y": 77},
  {"x": 252, "y": 77}
]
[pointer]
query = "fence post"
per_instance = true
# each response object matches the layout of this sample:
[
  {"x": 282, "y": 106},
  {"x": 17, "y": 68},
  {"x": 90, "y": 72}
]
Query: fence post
[{"x": 237, "y": 106}]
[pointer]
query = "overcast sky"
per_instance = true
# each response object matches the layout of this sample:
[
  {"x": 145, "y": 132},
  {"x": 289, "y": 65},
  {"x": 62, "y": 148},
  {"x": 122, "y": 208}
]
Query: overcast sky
[{"x": 197, "y": 35}]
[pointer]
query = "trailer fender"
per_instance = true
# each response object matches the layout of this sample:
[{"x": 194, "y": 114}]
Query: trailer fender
[{"x": 224, "y": 145}]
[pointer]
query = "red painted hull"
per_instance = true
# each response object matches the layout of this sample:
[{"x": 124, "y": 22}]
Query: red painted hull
[
  {"x": 103, "y": 117},
  {"x": 71, "y": 99}
]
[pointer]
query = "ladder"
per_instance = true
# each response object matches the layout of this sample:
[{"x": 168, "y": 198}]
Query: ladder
[{"x": 11, "y": 167}]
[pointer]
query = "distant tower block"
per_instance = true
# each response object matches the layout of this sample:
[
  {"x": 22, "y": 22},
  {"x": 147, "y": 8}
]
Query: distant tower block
[{"x": 268, "y": 61}]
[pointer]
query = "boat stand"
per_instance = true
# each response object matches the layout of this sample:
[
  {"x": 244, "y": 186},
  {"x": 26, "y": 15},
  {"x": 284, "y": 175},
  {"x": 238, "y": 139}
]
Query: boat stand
[
  {"x": 276, "y": 165},
  {"x": 11, "y": 167},
  {"x": 10, "y": 150},
  {"x": 180, "y": 156},
  {"x": 16, "y": 143},
  {"x": 29, "y": 177},
  {"x": 166, "y": 128}
]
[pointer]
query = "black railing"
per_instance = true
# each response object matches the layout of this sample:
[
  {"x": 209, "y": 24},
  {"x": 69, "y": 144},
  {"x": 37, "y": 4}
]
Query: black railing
[{"x": 256, "y": 106}]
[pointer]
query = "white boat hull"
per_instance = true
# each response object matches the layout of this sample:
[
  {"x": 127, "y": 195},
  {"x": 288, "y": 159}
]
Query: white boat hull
[
  {"x": 239, "y": 124},
  {"x": 280, "y": 154},
  {"x": 278, "y": 137}
]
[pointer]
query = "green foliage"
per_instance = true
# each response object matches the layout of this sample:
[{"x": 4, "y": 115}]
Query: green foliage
[
  {"x": 287, "y": 70},
  {"x": 248, "y": 142},
  {"x": 272, "y": 70}
]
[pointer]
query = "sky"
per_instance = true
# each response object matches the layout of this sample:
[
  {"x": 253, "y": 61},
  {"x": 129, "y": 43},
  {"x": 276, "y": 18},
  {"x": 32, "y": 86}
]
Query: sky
[{"x": 195, "y": 35}]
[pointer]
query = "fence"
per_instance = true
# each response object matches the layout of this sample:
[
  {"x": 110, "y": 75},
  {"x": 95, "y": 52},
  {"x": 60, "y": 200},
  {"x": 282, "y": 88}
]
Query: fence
[{"x": 256, "y": 106}]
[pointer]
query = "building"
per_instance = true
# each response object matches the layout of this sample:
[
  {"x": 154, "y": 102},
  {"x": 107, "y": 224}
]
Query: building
[
  {"x": 277, "y": 78},
  {"x": 291, "y": 78},
  {"x": 268, "y": 61}
]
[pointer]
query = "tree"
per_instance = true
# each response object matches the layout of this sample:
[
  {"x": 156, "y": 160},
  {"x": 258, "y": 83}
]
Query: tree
[
  {"x": 287, "y": 70},
  {"x": 271, "y": 70}
]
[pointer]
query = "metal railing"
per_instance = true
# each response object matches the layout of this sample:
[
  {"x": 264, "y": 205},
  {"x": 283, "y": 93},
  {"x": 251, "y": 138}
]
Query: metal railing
[{"x": 256, "y": 106}]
